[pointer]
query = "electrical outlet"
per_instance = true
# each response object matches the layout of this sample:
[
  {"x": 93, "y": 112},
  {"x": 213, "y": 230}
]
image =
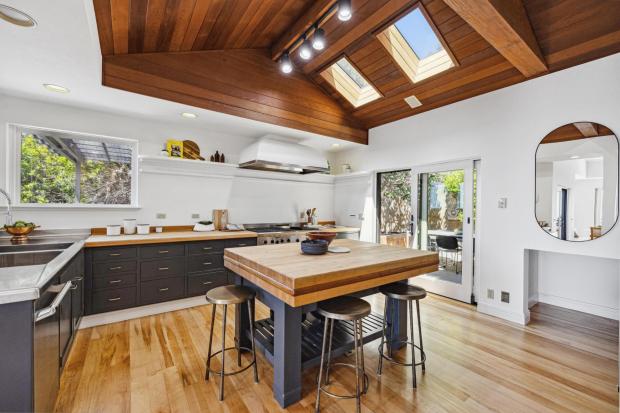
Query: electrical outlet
[
  {"x": 502, "y": 203},
  {"x": 160, "y": 215},
  {"x": 490, "y": 294},
  {"x": 505, "y": 297},
  {"x": 195, "y": 216}
]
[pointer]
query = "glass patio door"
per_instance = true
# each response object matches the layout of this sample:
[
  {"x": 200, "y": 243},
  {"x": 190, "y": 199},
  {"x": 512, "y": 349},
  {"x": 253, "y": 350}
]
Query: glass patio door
[{"x": 442, "y": 211}]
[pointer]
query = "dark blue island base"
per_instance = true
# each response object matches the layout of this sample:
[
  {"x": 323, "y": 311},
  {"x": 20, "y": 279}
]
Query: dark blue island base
[{"x": 291, "y": 341}]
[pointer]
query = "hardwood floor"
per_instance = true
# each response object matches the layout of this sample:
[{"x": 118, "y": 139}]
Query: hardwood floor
[{"x": 562, "y": 362}]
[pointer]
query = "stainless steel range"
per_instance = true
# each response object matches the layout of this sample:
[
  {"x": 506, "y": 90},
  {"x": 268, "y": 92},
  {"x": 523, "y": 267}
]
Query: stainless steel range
[{"x": 277, "y": 233}]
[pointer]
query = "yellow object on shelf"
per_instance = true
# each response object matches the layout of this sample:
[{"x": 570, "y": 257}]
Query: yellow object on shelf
[{"x": 174, "y": 148}]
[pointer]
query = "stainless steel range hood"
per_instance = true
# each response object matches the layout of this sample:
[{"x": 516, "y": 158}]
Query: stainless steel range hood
[{"x": 270, "y": 153}]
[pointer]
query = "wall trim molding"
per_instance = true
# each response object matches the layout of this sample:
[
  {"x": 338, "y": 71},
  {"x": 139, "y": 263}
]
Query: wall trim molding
[
  {"x": 137, "y": 312},
  {"x": 495, "y": 311},
  {"x": 584, "y": 307}
]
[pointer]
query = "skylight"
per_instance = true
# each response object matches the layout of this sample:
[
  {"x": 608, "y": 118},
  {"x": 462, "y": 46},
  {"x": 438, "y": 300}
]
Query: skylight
[
  {"x": 415, "y": 46},
  {"x": 350, "y": 83}
]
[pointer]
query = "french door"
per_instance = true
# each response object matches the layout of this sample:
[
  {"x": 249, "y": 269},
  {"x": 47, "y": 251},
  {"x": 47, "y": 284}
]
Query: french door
[{"x": 442, "y": 220}]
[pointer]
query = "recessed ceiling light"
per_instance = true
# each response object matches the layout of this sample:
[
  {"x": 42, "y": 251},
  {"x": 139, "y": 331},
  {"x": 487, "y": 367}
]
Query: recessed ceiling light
[
  {"x": 16, "y": 17},
  {"x": 188, "y": 115},
  {"x": 575, "y": 157},
  {"x": 55, "y": 88}
]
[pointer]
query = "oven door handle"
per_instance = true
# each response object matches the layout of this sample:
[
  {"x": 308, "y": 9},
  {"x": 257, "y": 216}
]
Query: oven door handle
[{"x": 50, "y": 310}]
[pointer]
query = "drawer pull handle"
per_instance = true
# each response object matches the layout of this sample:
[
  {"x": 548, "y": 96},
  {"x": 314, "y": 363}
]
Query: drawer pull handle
[
  {"x": 207, "y": 263},
  {"x": 114, "y": 299},
  {"x": 116, "y": 268},
  {"x": 163, "y": 252},
  {"x": 163, "y": 268},
  {"x": 116, "y": 281},
  {"x": 114, "y": 254},
  {"x": 161, "y": 290},
  {"x": 207, "y": 248},
  {"x": 207, "y": 282},
  {"x": 242, "y": 245}
]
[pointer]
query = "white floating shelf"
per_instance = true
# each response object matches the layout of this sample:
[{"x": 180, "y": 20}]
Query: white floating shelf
[{"x": 190, "y": 167}]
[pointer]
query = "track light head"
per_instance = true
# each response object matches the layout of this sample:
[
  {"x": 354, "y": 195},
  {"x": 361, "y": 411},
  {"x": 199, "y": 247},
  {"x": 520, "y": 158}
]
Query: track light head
[
  {"x": 286, "y": 66},
  {"x": 318, "y": 39},
  {"x": 344, "y": 10},
  {"x": 305, "y": 50}
]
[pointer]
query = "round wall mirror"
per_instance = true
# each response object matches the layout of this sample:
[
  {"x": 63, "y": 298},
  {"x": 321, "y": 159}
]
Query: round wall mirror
[{"x": 577, "y": 181}]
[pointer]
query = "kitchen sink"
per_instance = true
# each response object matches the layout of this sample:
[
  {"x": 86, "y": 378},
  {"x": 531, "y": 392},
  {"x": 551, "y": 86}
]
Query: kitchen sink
[{"x": 21, "y": 258}]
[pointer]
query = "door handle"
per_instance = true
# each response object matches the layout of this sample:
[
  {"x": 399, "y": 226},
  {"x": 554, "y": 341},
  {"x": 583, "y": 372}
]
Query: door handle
[
  {"x": 50, "y": 310},
  {"x": 207, "y": 282},
  {"x": 163, "y": 268},
  {"x": 75, "y": 282},
  {"x": 114, "y": 299},
  {"x": 161, "y": 290},
  {"x": 114, "y": 254},
  {"x": 115, "y": 281},
  {"x": 115, "y": 268},
  {"x": 207, "y": 263},
  {"x": 207, "y": 248},
  {"x": 163, "y": 252}
]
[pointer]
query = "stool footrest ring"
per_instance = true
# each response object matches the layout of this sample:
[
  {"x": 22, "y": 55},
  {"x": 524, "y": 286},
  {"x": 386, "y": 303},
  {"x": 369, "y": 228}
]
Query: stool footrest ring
[
  {"x": 409, "y": 343},
  {"x": 232, "y": 373},
  {"x": 364, "y": 389}
]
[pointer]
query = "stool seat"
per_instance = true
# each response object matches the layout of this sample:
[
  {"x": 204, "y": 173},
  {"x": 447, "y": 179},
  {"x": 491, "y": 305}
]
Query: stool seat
[
  {"x": 344, "y": 308},
  {"x": 400, "y": 291},
  {"x": 229, "y": 294}
]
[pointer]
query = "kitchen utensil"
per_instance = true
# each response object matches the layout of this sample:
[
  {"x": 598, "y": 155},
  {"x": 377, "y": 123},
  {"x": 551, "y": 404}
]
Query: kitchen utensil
[
  {"x": 338, "y": 250},
  {"x": 200, "y": 227},
  {"x": 143, "y": 229},
  {"x": 314, "y": 246},
  {"x": 129, "y": 226},
  {"x": 112, "y": 230},
  {"x": 191, "y": 150},
  {"x": 220, "y": 219},
  {"x": 324, "y": 235}
]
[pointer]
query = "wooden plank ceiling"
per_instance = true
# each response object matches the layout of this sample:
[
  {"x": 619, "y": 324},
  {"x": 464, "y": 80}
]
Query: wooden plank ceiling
[{"x": 217, "y": 54}]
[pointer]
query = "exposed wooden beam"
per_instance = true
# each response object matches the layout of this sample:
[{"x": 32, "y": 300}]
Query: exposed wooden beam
[
  {"x": 240, "y": 82},
  {"x": 505, "y": 25},
  {"x": 317, "y": 9},
  {"x": 587, "y": 129}
]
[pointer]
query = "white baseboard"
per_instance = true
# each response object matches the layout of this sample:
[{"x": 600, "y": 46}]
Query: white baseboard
[
  {"x": 532, "y": 300},
  {"x": 595, "y": 309},
  {"x": 137, "y": 312},
  {"x": 495, "y": 311}
]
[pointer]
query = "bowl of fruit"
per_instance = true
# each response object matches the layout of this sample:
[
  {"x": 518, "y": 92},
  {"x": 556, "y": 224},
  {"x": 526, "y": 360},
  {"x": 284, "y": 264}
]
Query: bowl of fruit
[{"x": 20, "y": 230}]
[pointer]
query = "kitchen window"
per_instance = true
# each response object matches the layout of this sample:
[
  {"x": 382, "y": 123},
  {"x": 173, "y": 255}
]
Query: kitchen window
[{"x": 58, "y": 168}]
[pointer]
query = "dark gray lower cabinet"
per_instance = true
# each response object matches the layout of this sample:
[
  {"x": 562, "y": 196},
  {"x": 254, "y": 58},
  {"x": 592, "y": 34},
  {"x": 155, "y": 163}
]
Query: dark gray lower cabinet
[
  {"x": 33, "y": 350},
  {"x": 129, "y": 276}
]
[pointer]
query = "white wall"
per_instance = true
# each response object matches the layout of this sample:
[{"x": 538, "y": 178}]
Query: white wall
[
  {"x": 582, "y": 283},
  {"x": 249, "y": 200},
  {"x": 503, "y": 128}
]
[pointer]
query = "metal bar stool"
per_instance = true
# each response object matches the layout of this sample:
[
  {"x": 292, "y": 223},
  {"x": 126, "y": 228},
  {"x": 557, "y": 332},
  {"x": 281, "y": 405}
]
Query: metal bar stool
[
  {"x": 400, "y": 291},
  {"x": 227, "y": 295},
  {"x": 344, "y": 309}
]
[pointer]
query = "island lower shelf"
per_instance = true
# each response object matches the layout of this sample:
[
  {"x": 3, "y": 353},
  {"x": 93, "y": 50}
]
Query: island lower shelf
[{"x": 312, "y": 337}]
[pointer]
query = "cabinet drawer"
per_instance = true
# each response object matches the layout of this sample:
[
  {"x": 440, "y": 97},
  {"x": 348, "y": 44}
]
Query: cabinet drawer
[
  {"x": 115, "y": 299},
  {"x": 120, "y": 280},
  {"x": 113, "y": 254},
  {"x": 200, "y": 284},
  {"x": 112, "y": 268},
  {"x": 206, "y": 247},
  {"x": 205, "y": 262},
  {"x": 165, "y": 289},
  {"x": 162, "y": 251},
  {"x": 150, "y": 270},
  {"x": 239, "y": 242}
]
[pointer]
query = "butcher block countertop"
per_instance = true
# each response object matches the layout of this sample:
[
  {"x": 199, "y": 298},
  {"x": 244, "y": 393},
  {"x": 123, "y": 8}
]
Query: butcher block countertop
[
  {"x": 164, "y": 237},
  {"x": 300, "y": 279}
]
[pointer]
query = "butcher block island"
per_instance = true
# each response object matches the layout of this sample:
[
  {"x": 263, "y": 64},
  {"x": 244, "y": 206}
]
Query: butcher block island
[{"x": 291, "y": 284}]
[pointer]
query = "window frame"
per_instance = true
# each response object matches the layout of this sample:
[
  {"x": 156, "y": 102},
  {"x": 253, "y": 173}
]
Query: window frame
[
  {"x": 13, "y": 172},
  {"x": 379, "y": 33},
  {"x": 334, "y": 62}
]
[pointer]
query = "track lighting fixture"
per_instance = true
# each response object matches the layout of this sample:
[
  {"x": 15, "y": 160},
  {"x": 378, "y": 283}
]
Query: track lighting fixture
[
  {"x": 285, "y": 64},
  {"x": 318, "y": 39},
  {"x": 344, "y": 10},
  {"x": 305, "y": 50}
]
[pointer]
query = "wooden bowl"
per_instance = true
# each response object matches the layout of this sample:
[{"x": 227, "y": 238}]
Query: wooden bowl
[
  {"x": 327, "y": 236},
  {"x": 20, "y": 233}
]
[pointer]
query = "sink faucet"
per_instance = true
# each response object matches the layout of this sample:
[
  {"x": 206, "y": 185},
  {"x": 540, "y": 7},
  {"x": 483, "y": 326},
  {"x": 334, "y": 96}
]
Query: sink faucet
[{"x": 9, "y": 216}]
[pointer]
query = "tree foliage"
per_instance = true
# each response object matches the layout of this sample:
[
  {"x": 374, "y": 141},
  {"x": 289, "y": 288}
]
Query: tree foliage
[
  {"x": 48, "y": 177},
  {"x": 395, "y": 201}
]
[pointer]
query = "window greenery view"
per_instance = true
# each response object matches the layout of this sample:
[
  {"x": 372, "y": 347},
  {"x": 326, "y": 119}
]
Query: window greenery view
[{"x": 61, "y": 170}]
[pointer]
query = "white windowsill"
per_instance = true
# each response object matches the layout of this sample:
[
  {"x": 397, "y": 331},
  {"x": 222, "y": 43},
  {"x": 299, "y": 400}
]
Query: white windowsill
[{"x": 72, "y": 206}]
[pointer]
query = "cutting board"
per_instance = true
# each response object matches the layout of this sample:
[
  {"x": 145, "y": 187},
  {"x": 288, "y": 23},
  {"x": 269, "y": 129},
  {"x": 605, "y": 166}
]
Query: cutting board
[{"x": 191, "y": 150}]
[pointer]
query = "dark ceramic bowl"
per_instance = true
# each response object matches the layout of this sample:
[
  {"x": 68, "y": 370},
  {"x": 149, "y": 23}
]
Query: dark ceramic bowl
[
  {"x": 314, "y": 246},
  {"x": 327, "y": 236}
]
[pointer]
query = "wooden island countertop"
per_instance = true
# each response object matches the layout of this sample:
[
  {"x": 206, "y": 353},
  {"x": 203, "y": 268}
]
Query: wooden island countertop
[{"x": 299, "y": 279}]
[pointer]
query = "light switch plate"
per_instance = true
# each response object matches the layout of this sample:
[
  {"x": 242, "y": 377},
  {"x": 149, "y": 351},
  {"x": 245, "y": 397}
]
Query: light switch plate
[
  {"x": 195, "y": 216},
  {"x": 490, "y": 294},
  {"x": 502, "y": 203},
  {"x": 160, "y": 215},
  {"x": 505, "y": 297}
]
